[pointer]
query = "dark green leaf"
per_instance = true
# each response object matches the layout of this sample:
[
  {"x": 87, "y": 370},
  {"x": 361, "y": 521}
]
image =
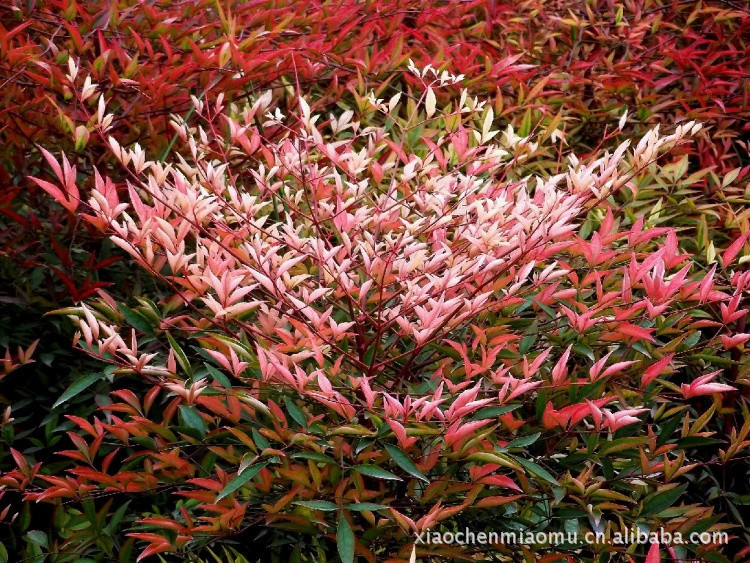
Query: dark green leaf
[
  {"x": 526, "y": 343},
  {"x": 358, "y": 506},
  {"x": 260, "y": 440},
  {"x": 345, "y": 540},
  {"x": 318, "y": 505},
  {"x": 493, "y": 412},
  {"x": 38, "y": 537},
  {"x": 315, "y": 456},
  {"x": 192, "y": 418},
  {"x": 180, "y": 354},
  {"x": 376, "y": 472},
  {"x": 76, "y": 387},
  {"x": 295, "y": 412},
  {"x": 218, "y": 376},
  {"x": 404, "y": 462},
  {"x": 698, "y": 441},
  {"x": 584, "y": 350},
  {"x": 692, "y": 340},
  {"x": 666, "y": 431},
  {"x": 537, "y": 470},
  {"x": 240, "y": 480},
  {"x": 523, "y": 441},
  {"x": 136, "y": 320},
  {"x": 655, "y": 503}
]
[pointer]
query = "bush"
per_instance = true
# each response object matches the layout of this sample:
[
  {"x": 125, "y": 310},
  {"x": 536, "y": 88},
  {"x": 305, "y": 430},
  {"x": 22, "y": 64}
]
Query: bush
[{"x": 370, "y": 329}]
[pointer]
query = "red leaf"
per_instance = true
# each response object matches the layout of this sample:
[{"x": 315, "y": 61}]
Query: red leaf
[
  {"x": 734, "y": 249},
  {"x": 653, "y": 554}
]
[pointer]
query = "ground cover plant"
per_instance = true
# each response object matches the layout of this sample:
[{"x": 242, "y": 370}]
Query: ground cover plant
[{"x": 346, "y": 276}]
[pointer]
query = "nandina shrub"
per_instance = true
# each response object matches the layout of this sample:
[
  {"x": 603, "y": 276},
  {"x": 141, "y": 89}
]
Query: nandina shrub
[
  {"x": 548, "y": 67},
  {"x": 146, "y": 60},
  {"x": 370, "y": 329}
]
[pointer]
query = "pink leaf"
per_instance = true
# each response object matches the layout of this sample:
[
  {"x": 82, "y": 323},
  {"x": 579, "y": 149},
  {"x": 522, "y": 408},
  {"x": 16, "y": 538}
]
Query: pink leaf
[
  {"x": 734, "y": 249},
  {"x": 655, "y": 370}
]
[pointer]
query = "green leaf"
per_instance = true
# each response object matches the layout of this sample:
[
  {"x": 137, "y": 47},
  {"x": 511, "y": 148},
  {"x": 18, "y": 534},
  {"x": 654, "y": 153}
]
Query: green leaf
[
  {"x": 622, "y": 444},
  {"x": 641, "y": 348},
  {"x": 345, "y": 540},
  {"x": 117, "y": 517},
  {"x": 240, "y": 480},
  {"x": 358, "y": 506},
  {"x": 690, "y": 342},
  {"x": 537, "y": 470},
  {"x": 260, "y": 440},
  {"x": 76, "y": 387},
  {"x": 703, "y": 525},
  {"x": 218, "y": 376},
  {"x": 526, "y": 343},
  {"x": 655, "y": 503},
  {"x": 315, "y": 456},
  {"x": 192, "y": 418},
  {"x": 714, "y": 359},
  {"x": 146, "y": 442},
  {"x": 295, "y": 412},
  {"x": 364, "y": 443},
  {"x": 546, "y": 309},
  {"x": 246, "y": 461},
  {"x": 181, "y": 357},
  {"x": 369, "y": 355},
  {"x": 714, "y": 557},
  {"x": 559, "y": 493},
  {"x": 89, "y": 510},
  {"x": 697, "y": 442},
  {"x": 525, "y": 127},
  {"x": 38, "y": 537},
  {"x": 404, "y": 462},
  {"x": 523, "y": 306},
  {"x": 318, "y": 505},
  {"x": 136, "y": 320},
  {"x": 541, "y": 403},
  {"x": 574, "y": 460},
  {"x": 523, "y": 441},
  {"x": 530, "y": 336},
  {"x": 585, "y": 229},
  {"x": 584, "y": 350},
  {"x": 493, "y": 412},
  {"x": 666, "y": 432},
  {"x": 376, "y": 472}
]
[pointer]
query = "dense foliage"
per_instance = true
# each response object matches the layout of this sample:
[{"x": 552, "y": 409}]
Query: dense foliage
[{"x": 343, "y": 276}]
